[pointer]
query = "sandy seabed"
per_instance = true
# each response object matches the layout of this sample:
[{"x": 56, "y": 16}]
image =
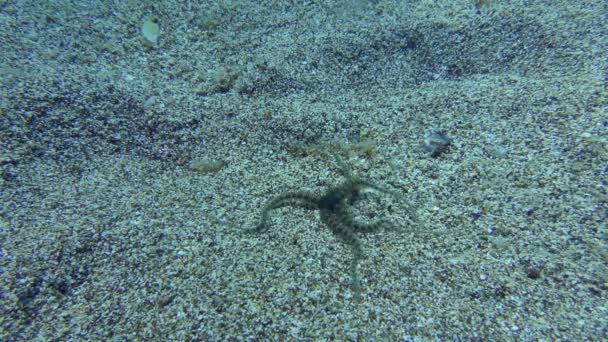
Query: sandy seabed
[{"x": 131, "y": 165}]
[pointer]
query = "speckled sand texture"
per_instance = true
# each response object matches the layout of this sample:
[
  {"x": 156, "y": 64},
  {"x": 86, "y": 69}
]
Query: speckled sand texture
[{"x": 130, "y": 169}]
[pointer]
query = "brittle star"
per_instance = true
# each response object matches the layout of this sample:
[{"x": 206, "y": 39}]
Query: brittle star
[{"x": 334, "y": 212}]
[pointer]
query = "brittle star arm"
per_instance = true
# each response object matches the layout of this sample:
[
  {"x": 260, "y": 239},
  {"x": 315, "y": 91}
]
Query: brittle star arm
[
  {"x": 341, "y": 228},
  {"x": 295, "y": 199},
  {"x": 372, "y": 227}
]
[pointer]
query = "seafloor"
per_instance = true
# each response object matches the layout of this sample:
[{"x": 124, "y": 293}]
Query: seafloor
[{"x": 132, "y": 163}]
